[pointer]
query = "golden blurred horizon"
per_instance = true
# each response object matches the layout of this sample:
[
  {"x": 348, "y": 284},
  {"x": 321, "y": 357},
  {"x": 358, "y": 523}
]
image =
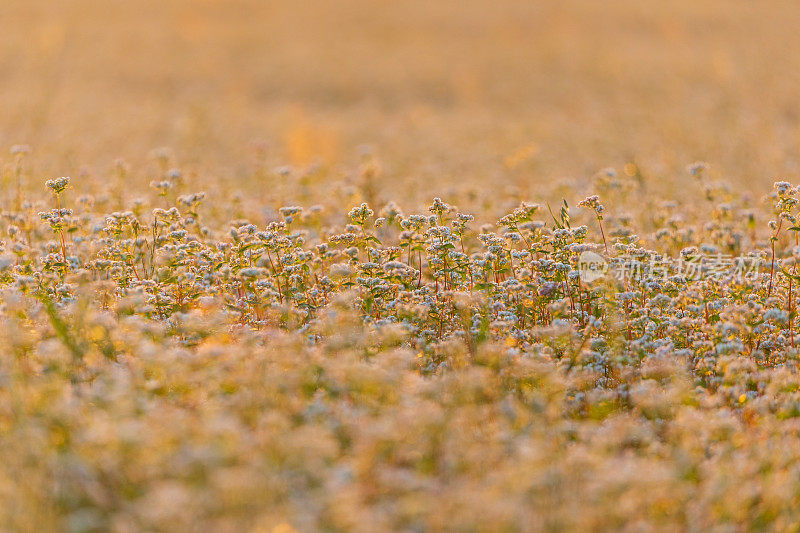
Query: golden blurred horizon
[{"x": 444, "y": 92}]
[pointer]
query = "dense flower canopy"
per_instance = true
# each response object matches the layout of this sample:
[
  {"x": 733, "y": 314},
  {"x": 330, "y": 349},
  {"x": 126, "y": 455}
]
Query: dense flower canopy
[{"x": 375, "y": 368}]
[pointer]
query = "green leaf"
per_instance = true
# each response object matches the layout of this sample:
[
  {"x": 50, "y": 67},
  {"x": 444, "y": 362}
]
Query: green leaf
[
  {"x": 555, "y": 220},
  {"x": 793, "y": 276}
]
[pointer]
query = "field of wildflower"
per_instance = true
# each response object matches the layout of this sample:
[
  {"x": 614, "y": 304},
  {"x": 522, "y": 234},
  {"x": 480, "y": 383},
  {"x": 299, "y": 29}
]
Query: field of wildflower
[{"x": 454, "y": 266}]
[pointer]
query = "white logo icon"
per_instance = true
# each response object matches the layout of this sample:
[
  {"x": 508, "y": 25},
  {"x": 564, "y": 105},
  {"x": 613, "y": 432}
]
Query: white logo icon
[{"x": 591, "y": 266}]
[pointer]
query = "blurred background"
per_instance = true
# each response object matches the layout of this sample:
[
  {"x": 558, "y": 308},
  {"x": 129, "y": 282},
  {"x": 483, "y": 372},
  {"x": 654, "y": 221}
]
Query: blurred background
[{"x": 510, "y": 92}]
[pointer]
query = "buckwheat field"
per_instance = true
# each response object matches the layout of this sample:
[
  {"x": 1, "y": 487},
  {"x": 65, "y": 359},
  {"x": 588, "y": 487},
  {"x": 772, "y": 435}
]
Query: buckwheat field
[{"x": 399, "y": 266}]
